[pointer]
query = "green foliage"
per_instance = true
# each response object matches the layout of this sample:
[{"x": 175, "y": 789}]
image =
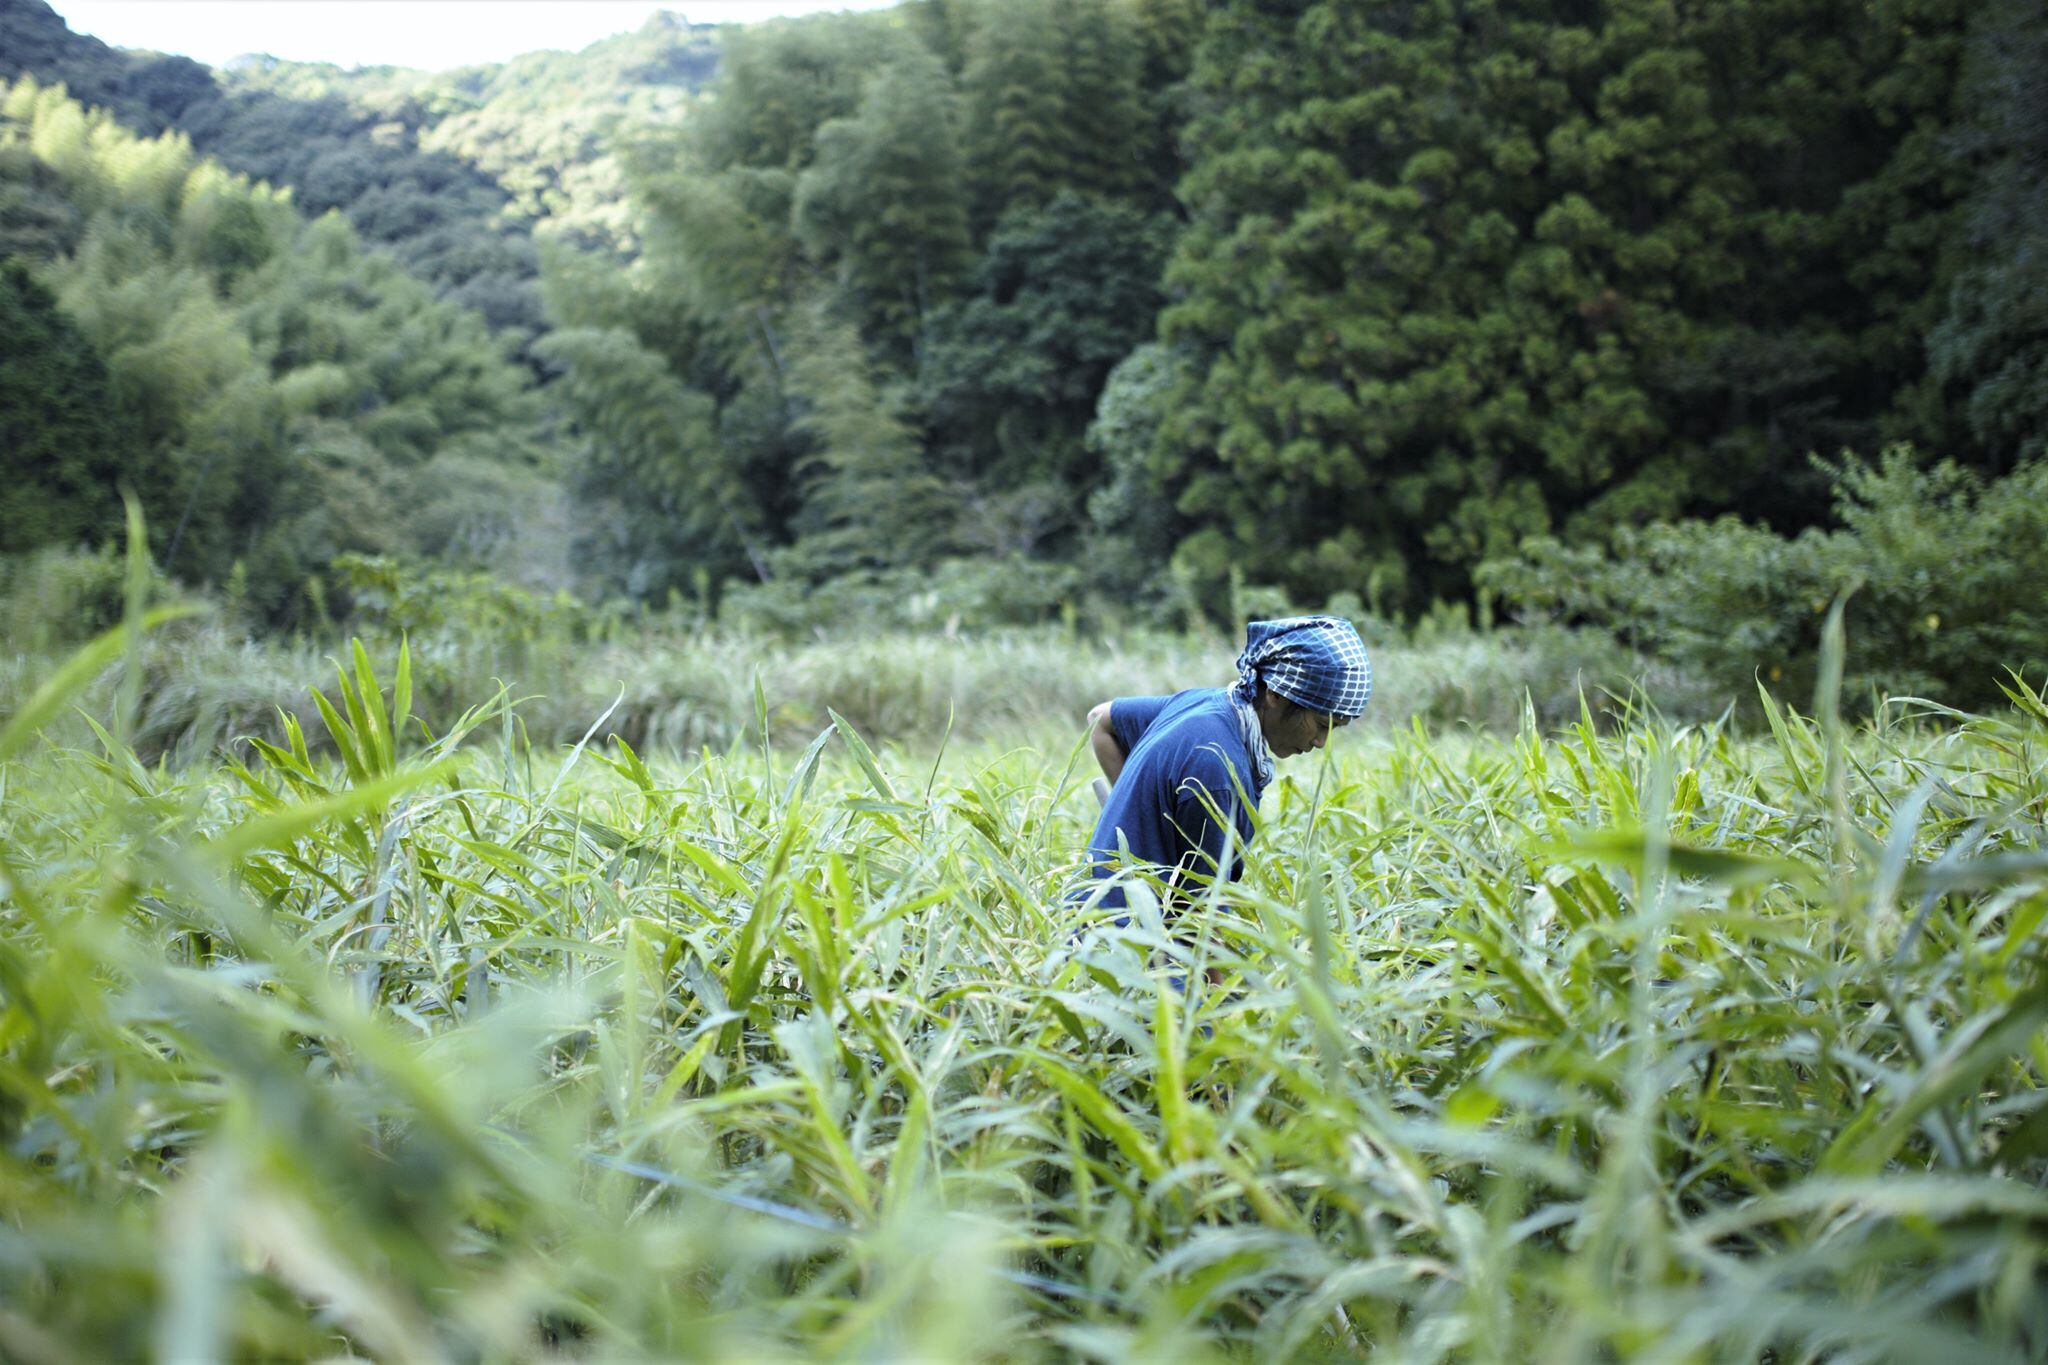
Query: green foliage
[
  {"x": 1054, "y": 102},
  {"x": 67, "y": 438},
  {"x": 1062, "y": 294},
  {"x": 454, "y": 173},
  {"x": 882, "y": 205},
  {"x": 58, "y": 597},
  {"x": 1101, "y": 73},
  {"x": 866, "y": 480},
  {"x": 1018, "y": 139},
  {"x": 34, "y": 41},
  {"x": 780, "y": 81},
  {"x": 547, "y": 126},
  {"x": 949, "y": 595},
  {"x": 655, "y": 439},
  {"x": 911, "y": 654},
  {"x": 1559, "y": 1045},
  {"x": 1943, "y": 581},
  {"x": 832, "y": 180},
  {"x": 270, "y": 391},
  {"x": 1457, "y": 278},
  {"x": 1437, "y": 278},
  {"x": 398, "y": 600},
  {"x": 1133, "y": 513},
  {"x": 1989, "y": 353},
  {"x": 705, "y": 450}
]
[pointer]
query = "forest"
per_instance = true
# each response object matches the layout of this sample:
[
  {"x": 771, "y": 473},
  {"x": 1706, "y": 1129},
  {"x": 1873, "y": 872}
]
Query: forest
[
  {"x": 551, "y": 613},
  {"x": 1106, "y": 306}
]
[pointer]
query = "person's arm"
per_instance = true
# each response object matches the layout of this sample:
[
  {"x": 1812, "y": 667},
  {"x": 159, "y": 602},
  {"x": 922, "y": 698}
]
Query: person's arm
[
  {"x": 1115, "y": 727},
  {"x": 1205, "y": 834},
  {"x": 1208, "y": 814},
  {"x": 1213, "y": 830},
  {"x": 1109, "y": 751}
]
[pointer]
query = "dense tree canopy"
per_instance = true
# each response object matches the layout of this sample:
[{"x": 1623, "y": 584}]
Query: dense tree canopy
[
  {"x": 1315, "y": 295},
  {"x": 1989, "y": 352},
  {"x": 67, "y": 441},
  {"x": 1435, "y": 278},
  {"x": 962, "y": 214},
  {"x": 450, "y": 172},
  {"x": 272, "y": 393},
  {"x": 1458, "y": 275}
]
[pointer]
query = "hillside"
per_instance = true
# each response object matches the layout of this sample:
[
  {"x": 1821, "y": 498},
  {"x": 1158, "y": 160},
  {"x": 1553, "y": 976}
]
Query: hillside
[
  {"x": 540, "y": 125},
  {"x": 450, "y": 172},
  {"x": 270, "y": 392}
]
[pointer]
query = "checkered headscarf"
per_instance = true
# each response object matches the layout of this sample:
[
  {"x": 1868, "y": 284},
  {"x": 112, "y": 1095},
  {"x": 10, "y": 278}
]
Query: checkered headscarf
[{"x": 1314, "y": 661}]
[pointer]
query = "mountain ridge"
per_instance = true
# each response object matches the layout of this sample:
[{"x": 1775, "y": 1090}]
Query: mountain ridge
[{"x": 452, "y": 172}]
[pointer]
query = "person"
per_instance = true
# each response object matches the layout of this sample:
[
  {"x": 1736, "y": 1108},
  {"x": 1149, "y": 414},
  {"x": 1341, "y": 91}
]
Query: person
[{"x": 1186, "y": 772}]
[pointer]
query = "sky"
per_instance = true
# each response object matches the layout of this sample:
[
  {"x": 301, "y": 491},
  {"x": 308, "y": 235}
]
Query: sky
[{"x": 430, "y": 34}]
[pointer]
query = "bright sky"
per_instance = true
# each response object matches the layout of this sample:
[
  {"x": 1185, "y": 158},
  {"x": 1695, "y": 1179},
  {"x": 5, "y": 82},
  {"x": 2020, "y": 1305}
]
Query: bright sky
[{"x": 429, "y": 34}]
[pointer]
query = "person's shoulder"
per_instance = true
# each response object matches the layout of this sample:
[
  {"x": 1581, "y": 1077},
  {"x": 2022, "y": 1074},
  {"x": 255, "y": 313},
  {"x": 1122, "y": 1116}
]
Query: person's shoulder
[
  {"x": 1213, "y": 740},
  {"x": 1208, "y": 702},
  {"x": 1218, "y": 770},
  {"x": 1217, "y": 759},
  {"x": 1195, "y": 715}
]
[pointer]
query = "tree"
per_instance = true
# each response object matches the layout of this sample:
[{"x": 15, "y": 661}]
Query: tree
[
  {"x": 720, "y": 243},
  {"x": 943, "y": 26},
  {"x": 278, "y": 383},
  {"x": 1133, "y": 514},
  {"x": 870, "y": 502},
  {"x": 1459, "y": 275},
  {"x": 656, "y": 461},
  {"x": 1167, "y": 33},
  {"x": 453, "y": 172},
  {"x": 1102, "y": 99},
  {"x": 1989, "y": 353},
  {"x": 69, "y": 446},
  {"x": 883, "y": 200},
  {"x": 779, "y": 82},
  {"x": 38, "y": 219},
  {"x": 1062, "y": 294},
  {"x": 1017, "y": 138}
]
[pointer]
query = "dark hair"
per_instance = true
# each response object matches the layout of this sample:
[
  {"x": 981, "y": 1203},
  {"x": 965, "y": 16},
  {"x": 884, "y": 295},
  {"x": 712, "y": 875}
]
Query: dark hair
[
  {"x": 1261, "y": 690},
  {"x": 1292, "y": 706}
]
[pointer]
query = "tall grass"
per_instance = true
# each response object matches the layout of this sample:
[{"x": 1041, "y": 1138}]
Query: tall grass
[
  {"x": 676, "y": 685},
  {"x": 1566, "y": 1044}
]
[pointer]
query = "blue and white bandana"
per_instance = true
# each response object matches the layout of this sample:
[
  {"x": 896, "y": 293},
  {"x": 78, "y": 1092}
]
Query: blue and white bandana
[{"x": 1317, "y": 662}]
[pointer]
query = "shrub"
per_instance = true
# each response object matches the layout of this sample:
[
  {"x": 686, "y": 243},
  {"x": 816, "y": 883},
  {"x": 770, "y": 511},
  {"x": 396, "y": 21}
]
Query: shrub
[
  {"x": 400, "y": 598},
  {"x": 56, "y": 597},
  {"x": 907, "y": 657},
  {"x": 1943, "y": 574},
  {"x": 954, "y": 593}
]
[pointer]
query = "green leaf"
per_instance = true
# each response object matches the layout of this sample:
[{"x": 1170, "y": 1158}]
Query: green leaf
[
  {"x": 73, "y": 676},
  {"x": 1627, "y": 847},
  {"x": 279, "y": 828},
  {"x": 863, "y": 756},
  {"x": 806, "y": 768},
  {"x": 1866, "y": 1145}
]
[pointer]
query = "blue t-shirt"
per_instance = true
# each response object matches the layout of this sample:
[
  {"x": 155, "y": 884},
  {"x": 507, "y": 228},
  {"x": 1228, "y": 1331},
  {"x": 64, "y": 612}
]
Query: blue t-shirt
[{"x": 1183, "y": 753}]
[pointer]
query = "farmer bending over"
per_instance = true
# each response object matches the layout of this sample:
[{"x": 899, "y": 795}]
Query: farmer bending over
[{"x": 1177, "y": 765}]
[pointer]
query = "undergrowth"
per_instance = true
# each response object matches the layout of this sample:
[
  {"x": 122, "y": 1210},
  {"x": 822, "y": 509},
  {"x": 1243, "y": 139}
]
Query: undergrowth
[{"x": 1574, "y": 1043}]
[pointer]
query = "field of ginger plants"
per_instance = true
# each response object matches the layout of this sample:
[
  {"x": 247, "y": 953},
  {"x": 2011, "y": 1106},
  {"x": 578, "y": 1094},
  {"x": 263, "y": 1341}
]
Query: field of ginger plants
[{"x": 1587, "y": 1042}]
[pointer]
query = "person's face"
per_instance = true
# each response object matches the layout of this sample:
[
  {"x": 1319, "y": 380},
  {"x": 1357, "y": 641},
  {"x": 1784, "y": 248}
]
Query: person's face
[{"x": 1291, "y": 729}]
